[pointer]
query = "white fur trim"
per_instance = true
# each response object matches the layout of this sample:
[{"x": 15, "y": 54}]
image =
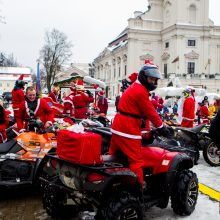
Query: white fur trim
[
  {"x": 38, "y": 105},
  {"x": 15, "y": 109},
  {"x": 126, "y": 135},
  {"x": 22, "y": 130},
  {"x": 27, "y": 109},
  {"x": 50, "y": 122},
  {"x": 160, "y": 126},
  {"x": 189, "y": 119},
  {"x": 65, "y": 101}
]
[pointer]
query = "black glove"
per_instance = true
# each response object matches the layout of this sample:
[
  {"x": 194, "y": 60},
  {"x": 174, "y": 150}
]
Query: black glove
[
  {"x": 89, "y": 93},
  {"x": 164, "y": 131}
]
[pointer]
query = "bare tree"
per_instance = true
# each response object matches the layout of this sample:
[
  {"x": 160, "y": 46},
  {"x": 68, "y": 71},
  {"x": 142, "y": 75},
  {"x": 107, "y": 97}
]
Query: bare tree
[
  {"x": 54, "y": 54},
  {"x": 8, "y": 60}
]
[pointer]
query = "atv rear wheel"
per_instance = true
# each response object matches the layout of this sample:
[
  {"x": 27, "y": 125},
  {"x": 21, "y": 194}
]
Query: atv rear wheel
[
  {"x": 53, "y": 201},
  {"x": 124, "y": 206},
  {"x": 210, "y": 156},
  {"x": 184, "y": 193}
]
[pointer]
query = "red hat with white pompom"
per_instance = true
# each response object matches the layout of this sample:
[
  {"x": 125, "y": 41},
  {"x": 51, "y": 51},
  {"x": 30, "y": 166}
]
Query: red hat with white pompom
[{"x": 80, "y": 85}]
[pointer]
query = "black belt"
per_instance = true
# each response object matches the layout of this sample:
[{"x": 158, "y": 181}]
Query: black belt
[
  {"x": 131, "y": 115},
  {"x": 81, "y": 107}
]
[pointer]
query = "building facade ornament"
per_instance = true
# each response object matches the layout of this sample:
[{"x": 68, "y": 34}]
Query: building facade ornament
[{"x": 192, "y": 55}]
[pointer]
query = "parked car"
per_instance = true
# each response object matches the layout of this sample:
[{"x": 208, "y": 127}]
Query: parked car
[{"x": 7, "y": 96}]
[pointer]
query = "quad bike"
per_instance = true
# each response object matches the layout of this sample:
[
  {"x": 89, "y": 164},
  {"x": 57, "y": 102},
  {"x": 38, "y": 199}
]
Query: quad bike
[
  {"x": 112, "y": 191},
  {"x": 21, "y": 156},
  {"x": 197, "y": 138}
]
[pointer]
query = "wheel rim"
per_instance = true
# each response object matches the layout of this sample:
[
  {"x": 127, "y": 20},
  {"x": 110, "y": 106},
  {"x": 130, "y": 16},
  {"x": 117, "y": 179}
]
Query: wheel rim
[
  {"x": 129, "y": 214},
  {"x": 192, "y": 193},
  {"x": 212, "y": 156}
]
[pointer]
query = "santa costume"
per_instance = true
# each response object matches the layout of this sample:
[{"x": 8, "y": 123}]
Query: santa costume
[
  {"x": 42, "y": 111},
  {"x": 3, "y": 123},
  {"x": 188, "y": 112},
  {"x": 18, "y": 95},
  {"x": 68, "y": 101},
  {"x": 54, "y": 94},
  {"x": 102, "y": 102},
  {"x": 134, "y": 105},
  {"x": 81, "y": 101}
]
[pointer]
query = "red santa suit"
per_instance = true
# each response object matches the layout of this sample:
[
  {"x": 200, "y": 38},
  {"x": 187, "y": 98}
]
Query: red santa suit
[
  {"x": 53, "y": 96},
  {"x": 68, "y": 104},
  {"x": 17, "y": 99},
  {"x": 133, "y": 106},
  {"x": 102, "y": 103},
  {"x": 188, "y": 113},
  {"x": 43, "y": 111},
  {"x": 204, "y": 112},
  {"x": 81, "y": 103},
  {"x": 3, "y": 125}
]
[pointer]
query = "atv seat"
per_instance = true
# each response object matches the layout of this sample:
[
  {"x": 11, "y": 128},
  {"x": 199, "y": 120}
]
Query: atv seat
[
  {"x": 5, "y": 147},
  {"x": 195, "y": 129}
]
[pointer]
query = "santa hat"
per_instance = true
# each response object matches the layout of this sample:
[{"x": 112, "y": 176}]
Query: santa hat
[
  {"x": 95, "y": 86},
  {"x": 150, "y": 63},
  {"x": 132, "y": 77},
  {"x": 21, "y": 77},
  {"x": 101, "y": 93},
  {"x": 80, "y": 85}
]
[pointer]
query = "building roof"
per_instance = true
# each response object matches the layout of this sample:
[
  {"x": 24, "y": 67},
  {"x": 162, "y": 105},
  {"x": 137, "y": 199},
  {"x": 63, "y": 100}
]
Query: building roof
[{"x": 15, "y": 70}]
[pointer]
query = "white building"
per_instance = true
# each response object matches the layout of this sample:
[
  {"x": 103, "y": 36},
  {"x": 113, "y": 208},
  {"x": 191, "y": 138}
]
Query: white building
[
  {"x": 175, "y": 34},
  {"x": 8, "y": 76}
]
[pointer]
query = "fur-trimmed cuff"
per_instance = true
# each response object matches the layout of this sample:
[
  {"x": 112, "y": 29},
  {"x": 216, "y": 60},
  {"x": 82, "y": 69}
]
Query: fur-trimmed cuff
[
  {"x": 22, "y": 130},
  {"x": 50, "y": 122}
]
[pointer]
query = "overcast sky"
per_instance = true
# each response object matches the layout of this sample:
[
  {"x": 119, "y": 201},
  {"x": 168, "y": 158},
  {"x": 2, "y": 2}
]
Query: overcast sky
[{"x": 89, "y": 24}]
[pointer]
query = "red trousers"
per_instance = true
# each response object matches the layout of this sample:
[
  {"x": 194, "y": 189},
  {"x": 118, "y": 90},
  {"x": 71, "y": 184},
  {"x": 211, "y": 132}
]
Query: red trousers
[
  {"x": 187, "y": 123},
  {"x": 132, "y": 149}
]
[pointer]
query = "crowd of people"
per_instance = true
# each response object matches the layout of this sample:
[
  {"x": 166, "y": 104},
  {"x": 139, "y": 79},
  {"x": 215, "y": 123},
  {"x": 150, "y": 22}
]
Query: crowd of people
[{"x": 135, "y": 105}]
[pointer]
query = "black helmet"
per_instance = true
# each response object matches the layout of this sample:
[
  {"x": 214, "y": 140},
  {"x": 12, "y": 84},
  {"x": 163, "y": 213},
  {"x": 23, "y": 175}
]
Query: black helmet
[
  {"x": 20, "y": 83},
  {"x": 149, "y": 69},
  {"x": 125, "y": 85}
]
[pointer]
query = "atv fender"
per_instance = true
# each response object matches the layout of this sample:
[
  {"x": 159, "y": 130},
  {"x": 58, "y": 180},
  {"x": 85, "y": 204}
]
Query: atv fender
[
  {"x": 179, "y": 163},
  {"x": 124, "y": 180}
]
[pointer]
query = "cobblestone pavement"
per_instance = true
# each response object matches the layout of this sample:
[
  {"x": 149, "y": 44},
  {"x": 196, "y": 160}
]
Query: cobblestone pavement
[{"x": 22, "y": 205}]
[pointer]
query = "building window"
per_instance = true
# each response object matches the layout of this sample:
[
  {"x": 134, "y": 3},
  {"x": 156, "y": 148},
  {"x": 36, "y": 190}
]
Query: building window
[
  {"x": 165, "y": 71},
  {"x": 8, "y": 84},
  {"x": 114, "y": 72},
  {"x": 125, "y": 70},
  {"x": 0, "y": 84},
  {"x": 192, "y": 14},
  {"x": 191, "y": 68},
  {"x": 167, "y": 45},
  {"x": 191, "y": 43},
  {"x": 119, "y": 71}
]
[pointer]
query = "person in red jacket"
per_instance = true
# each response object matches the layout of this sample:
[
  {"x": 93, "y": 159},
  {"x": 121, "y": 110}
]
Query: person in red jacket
[
  {"x": 188, "y": 113},
  {"x": 102, "y": 102},
  {"x": 135, "y": 105},
  {"x": 18, "y": 95},
  {"x": 54, "y": 94},
  {"x": 68, "y": 101},
  {"x": 36, "y": 107},
  {"x": 204, "y": 111},
  {"x": 3, "y": 123},
  {"x": 81, "y": 101}
]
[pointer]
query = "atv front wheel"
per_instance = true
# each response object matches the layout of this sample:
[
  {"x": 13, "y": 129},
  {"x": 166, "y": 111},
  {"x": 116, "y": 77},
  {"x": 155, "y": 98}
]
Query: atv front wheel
[
  {"x": 184, "y": 193},
  {"x": 210, "y": 156},
  {"x": 125, "y": 206}
]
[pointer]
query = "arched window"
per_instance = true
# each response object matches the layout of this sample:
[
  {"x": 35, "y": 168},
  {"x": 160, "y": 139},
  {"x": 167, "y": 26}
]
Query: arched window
[{"x": 192, "y": 14}]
